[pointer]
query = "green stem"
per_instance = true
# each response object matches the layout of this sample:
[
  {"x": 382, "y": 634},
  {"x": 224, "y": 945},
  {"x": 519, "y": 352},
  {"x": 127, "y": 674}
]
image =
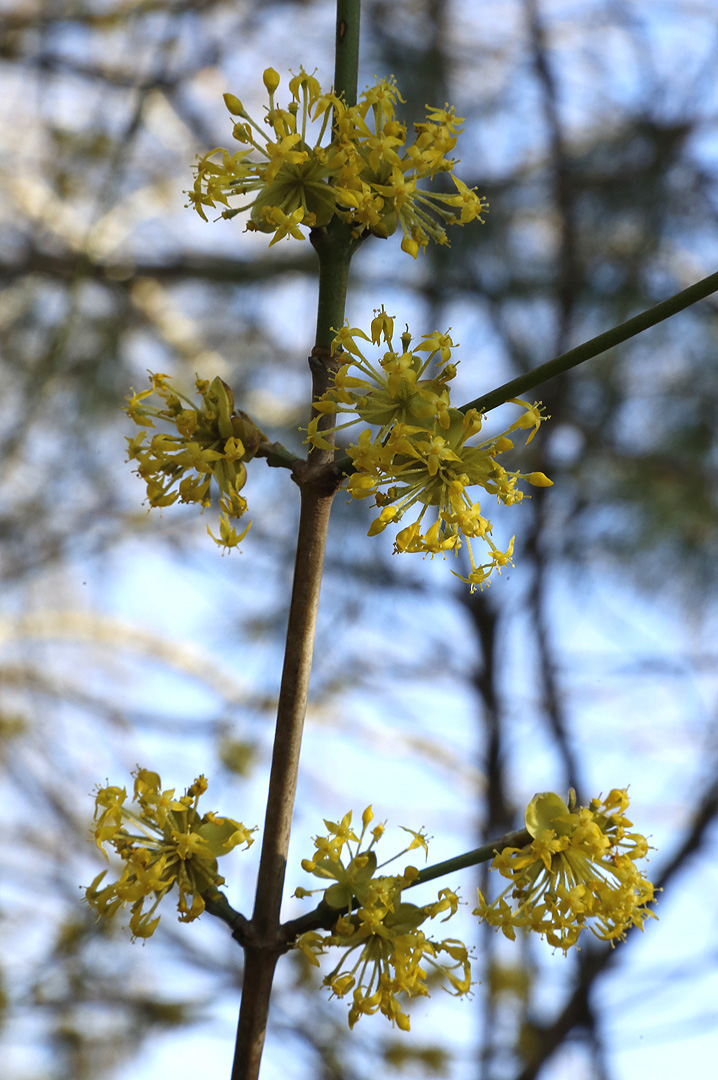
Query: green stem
[
  {"x": 519, "y": 838},
  {"x": 334, "y": 244},
  {"x": 595, "y": 346},
  {"x": 323, "y": 917},
  {"x": 278, "y": 457},
  {"x": 346, "y": 62},
  {"x": 343, "y": 464},
  {"x": 335, "y": 248}
]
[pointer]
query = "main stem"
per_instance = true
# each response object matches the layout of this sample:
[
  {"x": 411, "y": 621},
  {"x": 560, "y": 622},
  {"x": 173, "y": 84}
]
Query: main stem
[
  {"x": 261, "y": 937},
  {"x": 261, "y": 947}
]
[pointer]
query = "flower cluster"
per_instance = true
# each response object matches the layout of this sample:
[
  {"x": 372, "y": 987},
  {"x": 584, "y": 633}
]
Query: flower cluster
[
  {"x": 391, "y": 954},
  {"x": 416, "y": 454},
  {"x": 366, "y": 174},
  {"x": 163, "y": 843},
  {"x": 578, "y": 872},
  {"x": 211, "y": 441}
]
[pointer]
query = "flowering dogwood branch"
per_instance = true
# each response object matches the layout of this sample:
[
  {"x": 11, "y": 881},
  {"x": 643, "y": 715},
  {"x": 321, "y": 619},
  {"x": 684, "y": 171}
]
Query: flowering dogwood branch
[
  {"x": 323, "y": 917},
  {"x": 571, "y": 868}
]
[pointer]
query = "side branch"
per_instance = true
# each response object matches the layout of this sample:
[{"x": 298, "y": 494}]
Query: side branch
[
  {"x": 323, "y": 917},
  {"x": 217, "y": 904},
  {"x": 595, "y": 346},
  {"x": 518, "y": 839},
  {"x": 277, "y": 455}
]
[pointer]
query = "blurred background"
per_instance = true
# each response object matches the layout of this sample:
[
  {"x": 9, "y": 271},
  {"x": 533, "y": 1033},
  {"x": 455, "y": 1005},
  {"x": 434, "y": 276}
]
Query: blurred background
[{"x": 125, "y": 638}]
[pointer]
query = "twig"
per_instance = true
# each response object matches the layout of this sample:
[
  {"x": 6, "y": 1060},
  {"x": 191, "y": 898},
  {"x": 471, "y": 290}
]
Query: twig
[
  {"x": 324, "y": 917},
  {"x": 608, "y": 340}
]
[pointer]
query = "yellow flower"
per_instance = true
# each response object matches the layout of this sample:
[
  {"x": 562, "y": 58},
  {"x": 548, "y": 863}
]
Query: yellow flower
[
  {"x": 366, "y": 174},
  {"x": 392, "y": 391},
  {"x": 420, "y": 455},
  {"x": 578, "y": 872},
  {"x": 377, "y": 928},
  {"x": 212, "y": 442},
  {"x": 286, "y": 225},
  {"x": 163, "y": 843}
]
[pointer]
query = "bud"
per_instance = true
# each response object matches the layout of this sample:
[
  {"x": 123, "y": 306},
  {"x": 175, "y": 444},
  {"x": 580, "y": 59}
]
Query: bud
[
  {"x": 538, "y": 479},
  {"x": 387, "y": 224},
  {"x": 234, "y": 105},
  {"x": 220, "y": 401},
  {"x": 410, "y": 246},
  {"x": 245, "y": 429},
  {"x": 361, "y": 485},
  {"x": 388, "y": 514},
  {"x": 271, "y": 80},
  {"x": 395, "y": 130}
]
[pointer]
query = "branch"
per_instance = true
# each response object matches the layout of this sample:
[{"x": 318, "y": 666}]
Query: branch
[
  {"x": 323, "y": 917},
  {"x": 277, "y": 455},
  {"x": 261, "y": 937},
  {"x": 217, "y": 904},
  {"x": 519, "y": 838},
  {"x": 608, "y": 340}
]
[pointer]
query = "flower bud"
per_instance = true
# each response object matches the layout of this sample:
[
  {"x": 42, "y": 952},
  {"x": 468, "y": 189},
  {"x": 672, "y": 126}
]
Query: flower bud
[
  {"x": 538, "y": 479},
  {"x": 245, "y": 429},
  {"x": 271, "y": 80},
  {"x": 221, "y": 397},
  {"x": 410, "y": 246},
  {"x": 234, "y": 105},
  {"x": 387, "y": 224},
  {"x": 388, "y": 514}
]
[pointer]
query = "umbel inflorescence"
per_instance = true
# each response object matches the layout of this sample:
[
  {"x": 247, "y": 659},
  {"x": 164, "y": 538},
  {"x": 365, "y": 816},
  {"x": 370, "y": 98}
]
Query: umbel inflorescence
[
  {"x": 211, "y": 440},
  {"x": 317, "y": 158},
  {"x": 579, "y": 872},
  {"x": 419, "y": 456},
  {"x": 385, "y": 956},
  {"x": 164, "y": 844}
]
